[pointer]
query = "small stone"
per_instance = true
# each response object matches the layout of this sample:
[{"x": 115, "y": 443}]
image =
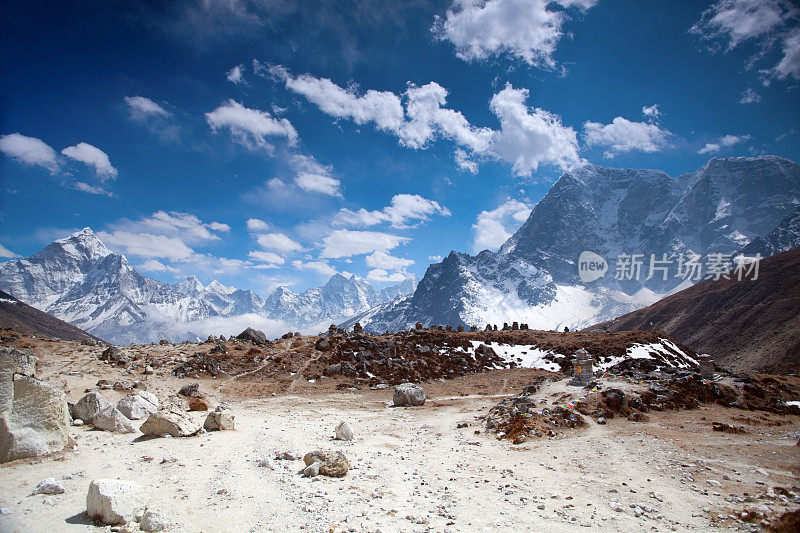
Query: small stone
[
  {"x": 198, "y": 404},
  {"x": 288, "y": 456},
  {"x": 312, "y": 470},
  {"x": 49, "y": 486},
  {"x": 154, "y": 521},
  {"x": 266, "y": 462},
  {"x": 601, "y": 420},
  {"x": 222, "y": 418},
  {"x": 333, "y": 464},
  {"x": 344, "y": 431},
  {"x": 408, "y": 394}
]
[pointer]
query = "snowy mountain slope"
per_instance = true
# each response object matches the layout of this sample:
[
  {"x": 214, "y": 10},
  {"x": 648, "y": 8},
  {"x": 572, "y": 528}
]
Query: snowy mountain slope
[
  {"x": 82, "y": 282},
  {"x": 533, "y": 278},
  {"x": 783, "y": 238}
]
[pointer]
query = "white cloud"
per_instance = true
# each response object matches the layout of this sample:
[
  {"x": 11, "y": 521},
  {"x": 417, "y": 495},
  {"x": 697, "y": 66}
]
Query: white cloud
[
  {"x": 92, "y": 189},
  {"x": 256, "y": 225},
  {"x": 5, "y": 253},
  {"x": 623, "y": 135},
  {"x": 320, "y": 267},
  {"x": 142, "y": 108},
  {"x": 527, "y": 136},
  {"x": 153, "y": 265},
  {"x": 724, "y": 141},
  {"x": 346, "y": 243},
  {"x": 235, "y": 75},
  {"x": 435, "y": 258},
  {"x": 29, "y": 151},
  {"x": 178, "y": 224},
  {"x": 93, "y": 157},
  {"x": 493, "y": 228},
  {"x": 527, "y": 29},
  {"x": 250, "y": 127},
  {"x": 382, "y": 276},
  {"x": 403, "y": 212},
  {"x": 762, "y": 22},
  {"x": 530, "y": 137},
  {"x": 651, "y": 112},
  {"x": 750, "y": 96},
  {"x": 378, "y": 259},
  {"x": 314, "y": 177},
  {"x": 278, "y": 241},
  {"x": 147, "y": 245},
  {"x": 269, "y": 258}
]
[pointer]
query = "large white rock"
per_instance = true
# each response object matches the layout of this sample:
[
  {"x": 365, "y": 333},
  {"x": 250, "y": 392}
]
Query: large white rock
[
  {"x": 37, "y": 423},
  {"x": 154, "y": 521},
  {"x": 114, "y": 501},
  {"x": 49, "y": 486},
  {"x": 139, "y": 405},
  {"x": 408, "y": 394},
  {"x": 88, "y": 406},
  {"x": 13, "y": 361},
  {"x": 169, "y": 422},
  {"x": 111, "y": 419},
  {"x": 221, "y": 418}
]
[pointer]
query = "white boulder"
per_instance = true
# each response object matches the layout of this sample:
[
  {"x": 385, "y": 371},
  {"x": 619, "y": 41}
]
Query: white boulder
[
  {"x": 344, "y": 431},
  {"x": 49, "y": 486},
  {"x": 88, "y": 406},
  {"x": 114, "y": 501},
  {"x": 139, "y": 405},
  {"x": 111, "y": 419},
  {"x": 408, "y": 394},
  {"x": 154, "y": 521}
]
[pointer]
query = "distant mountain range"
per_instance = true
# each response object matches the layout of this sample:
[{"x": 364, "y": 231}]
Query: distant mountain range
[
  {"x": 79, "y": 280},
  {"x": 721, "y": 208}
]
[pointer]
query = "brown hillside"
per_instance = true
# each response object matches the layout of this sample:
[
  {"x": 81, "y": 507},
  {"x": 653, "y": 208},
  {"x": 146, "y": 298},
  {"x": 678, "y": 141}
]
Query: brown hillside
[
  {"x": 746, "y": 325},
  {"x": 23, "y": 318}
]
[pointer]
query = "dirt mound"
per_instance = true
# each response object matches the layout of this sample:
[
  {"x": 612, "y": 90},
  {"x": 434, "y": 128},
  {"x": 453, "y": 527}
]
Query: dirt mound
[{"x": 745, "y": 325}]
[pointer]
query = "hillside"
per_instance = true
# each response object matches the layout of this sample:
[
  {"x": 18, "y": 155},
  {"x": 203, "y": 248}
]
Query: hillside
[
  {"x": 23, "y": 318},
  {"x": 746, "y": 325}
]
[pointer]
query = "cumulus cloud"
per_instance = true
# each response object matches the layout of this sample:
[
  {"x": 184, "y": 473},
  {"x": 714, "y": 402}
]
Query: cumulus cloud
[
  {"x": 405, "y": 210},
  {"x": 279, "y": 242},
  {"x": 320, "y": 267},
  {"x": 651, "y": 112},
  {"x": 381, "y": 276},
  {"x": 623, "y": 135},
  {"x": 345, "y": 243},
  {"x": 187, "y": 226},
  {"x": 92, "y": 157},
  {"x": 268, "y": 258},
  {"x": 142, "y": 108},
  {"x": 250, "y": 127},
  {"x": 435, "y": 258},
  {"x": 530, "y": 137},
  {"x": 153, "y": 265},
  {"x": 526, "y": 29},
  {"x": 724, "y": 141},
  {"x": 493, "y": 228},
  {"x": 147, "y": 245},
  {"x": 385, "y": 261},
  {"x": 256, "y": 225},
  {"x": 527, "y": 136},
  {"x": 313, "y": 177},
  {"x": 5, "y": 253},
  {"x": 236, "y": 74},
  {"x": 29, "y": 151},
  {"x": 765, "y": 23}
]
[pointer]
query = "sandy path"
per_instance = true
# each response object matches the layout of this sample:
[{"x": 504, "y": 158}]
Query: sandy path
[{"x": 412, "y": 470}]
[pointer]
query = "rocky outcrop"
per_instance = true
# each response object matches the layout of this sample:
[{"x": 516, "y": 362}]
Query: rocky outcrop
[
  {"x": 37, "y": 423},
  {"x": 88, "y": 406},
  {"x": 253, "y": 335}
]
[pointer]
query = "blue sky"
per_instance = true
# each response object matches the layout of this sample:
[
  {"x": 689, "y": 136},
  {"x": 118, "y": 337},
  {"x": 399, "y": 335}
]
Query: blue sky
[{"x": 266, "y": 143}]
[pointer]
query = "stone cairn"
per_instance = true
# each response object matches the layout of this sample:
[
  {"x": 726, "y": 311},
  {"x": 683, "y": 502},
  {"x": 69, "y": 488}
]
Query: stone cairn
[
  {"x": 523, "y": 327},
  {"x": 488, "y": 327},
  {"x": 357, "y": 328},
  {"x": 448, "y": 328},
  {"x": 473, "y": 328},
  {"x": 460, "y": 328},
  {"x": 332, "y": 329},
  {"x": 506, "y": 326},
  {"x": 494, "y": 328},
  {"x": 514, "y": 326},
  {"x": 418, "y": 325},
  {"x": 582, "y": 366},
  {"x": 706, "y": 366}
]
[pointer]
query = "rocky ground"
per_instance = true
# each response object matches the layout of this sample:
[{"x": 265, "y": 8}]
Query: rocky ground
[{"x": 435, "y": 467}]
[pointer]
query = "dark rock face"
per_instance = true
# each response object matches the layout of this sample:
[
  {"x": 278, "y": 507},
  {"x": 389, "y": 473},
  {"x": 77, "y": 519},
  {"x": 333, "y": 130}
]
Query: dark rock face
[{"x": 253, "y": 335}]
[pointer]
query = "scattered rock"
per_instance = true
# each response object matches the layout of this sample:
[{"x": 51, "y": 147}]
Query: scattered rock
[
  {"x": 169, "y": 422},
  {"x": 89, "y": 405},
  {"x": 49, "y": 486},
  {"x": 344, "y": 431},
  {"x": 111, "y": 419},
  {"x": 220, "y": 419},
  {"x": 154, "y": 521},
  {"x": 253, "y": 335},
  {"x": 112, "y": 354},
  {"x": 138, "y": 406},
  {"x": 266, "y": 462},
  {"x": 638, "y": 417},
  {"x": 408, "y": 394},
  {"x": 198, "y": 404},
  {"x": 601, "y": 420},
  {"x": 726, "y": 428},
  {"x": 312, "y": 470},
  {"x": 190, "y": 390},
  {"x": 332, "y": 464},
  {"x": 288, "y": 456},
  {"x": 113, "y": 501},
  {"x": 37, "y": 423}
]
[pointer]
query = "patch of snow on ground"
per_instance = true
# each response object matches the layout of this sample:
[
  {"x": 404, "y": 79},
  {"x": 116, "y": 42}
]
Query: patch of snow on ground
[
  {"x": 795, "y": 404},
  {"x": 524, "y": 356},
  {"x": 664, "y": 348}
]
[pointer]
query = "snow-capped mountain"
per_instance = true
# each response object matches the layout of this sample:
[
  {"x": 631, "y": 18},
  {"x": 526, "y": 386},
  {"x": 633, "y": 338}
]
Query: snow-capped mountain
[
  {"x": 782, "y": 239},
  {"x": 534, "y": 277},
  {"x": 82, "y": 282}
]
